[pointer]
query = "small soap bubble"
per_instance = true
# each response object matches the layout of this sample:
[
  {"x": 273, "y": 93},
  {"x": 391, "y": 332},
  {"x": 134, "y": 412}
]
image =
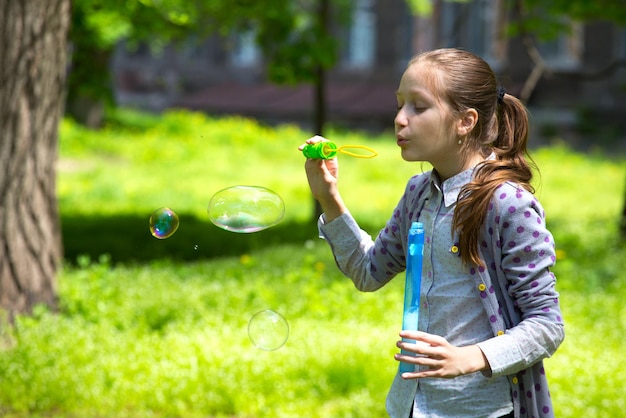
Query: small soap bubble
[
  {"x": 268, "y": 330},
  {"x": 163, "y": 223},
  {"x": 246, "y": 209},
  {"x": 195, "y": 247}
]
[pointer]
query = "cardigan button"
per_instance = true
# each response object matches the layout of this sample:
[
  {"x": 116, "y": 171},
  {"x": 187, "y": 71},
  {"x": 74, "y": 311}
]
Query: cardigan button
[
  {"x": 482, "y": 287},
  {"x": 514, "y": 380}
]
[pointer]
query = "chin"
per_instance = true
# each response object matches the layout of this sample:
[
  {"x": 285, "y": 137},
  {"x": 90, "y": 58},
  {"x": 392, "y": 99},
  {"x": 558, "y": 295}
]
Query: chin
[{"x": 409, "y": 156}]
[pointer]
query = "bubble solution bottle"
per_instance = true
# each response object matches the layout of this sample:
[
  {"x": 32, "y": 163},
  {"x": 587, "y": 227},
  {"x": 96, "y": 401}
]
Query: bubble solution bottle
[{"x": 415, "y": 254}]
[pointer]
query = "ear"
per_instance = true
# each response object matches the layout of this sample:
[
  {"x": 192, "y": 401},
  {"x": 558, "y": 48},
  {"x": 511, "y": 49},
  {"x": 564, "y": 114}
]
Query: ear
[{"x": 466, "y": 123}]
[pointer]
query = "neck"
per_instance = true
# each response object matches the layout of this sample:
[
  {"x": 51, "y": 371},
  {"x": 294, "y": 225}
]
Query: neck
[{"x": 450, "y": 171}]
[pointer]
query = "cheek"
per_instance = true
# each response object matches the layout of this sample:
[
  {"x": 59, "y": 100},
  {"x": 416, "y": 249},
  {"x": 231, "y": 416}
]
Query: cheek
[{"x": 446, "y": 131}]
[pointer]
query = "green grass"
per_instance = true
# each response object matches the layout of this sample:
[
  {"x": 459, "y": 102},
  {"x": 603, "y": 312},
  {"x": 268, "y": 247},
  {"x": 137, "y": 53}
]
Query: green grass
[
  {"x": 170, "y": 339},
  {"x": 158, "y": 328}
]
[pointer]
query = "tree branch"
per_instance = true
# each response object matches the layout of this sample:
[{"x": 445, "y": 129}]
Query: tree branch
[{"x": 539, "y": 69}]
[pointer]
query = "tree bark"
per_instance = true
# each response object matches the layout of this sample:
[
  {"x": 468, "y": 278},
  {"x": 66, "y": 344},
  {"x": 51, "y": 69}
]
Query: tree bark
[
  {"x": 33, "y": 51},
  {"x": 622, "y": 222},
  {"x": 319, "y": 101}
]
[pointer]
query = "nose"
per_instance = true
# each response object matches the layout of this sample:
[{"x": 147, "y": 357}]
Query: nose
[{"x": 400, "y": 119}]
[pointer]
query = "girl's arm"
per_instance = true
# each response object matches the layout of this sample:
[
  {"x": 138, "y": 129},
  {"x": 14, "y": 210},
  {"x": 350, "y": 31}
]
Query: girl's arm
[
  {"x": 372, "y": 263},
  {"x": 524, "y": 253}
]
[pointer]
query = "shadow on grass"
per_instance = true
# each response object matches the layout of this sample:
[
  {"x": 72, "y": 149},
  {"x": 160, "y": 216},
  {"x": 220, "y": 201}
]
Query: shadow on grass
[{"x": 126, "y": 238}]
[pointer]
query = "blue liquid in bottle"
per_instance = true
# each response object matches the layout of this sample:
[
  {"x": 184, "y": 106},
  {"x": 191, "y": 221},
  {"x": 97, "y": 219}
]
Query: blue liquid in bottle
[{"x": 415, "y": 254}]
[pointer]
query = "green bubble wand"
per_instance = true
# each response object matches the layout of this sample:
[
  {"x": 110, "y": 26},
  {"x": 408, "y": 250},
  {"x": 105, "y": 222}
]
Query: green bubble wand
[{"x": 326, "y": 150}]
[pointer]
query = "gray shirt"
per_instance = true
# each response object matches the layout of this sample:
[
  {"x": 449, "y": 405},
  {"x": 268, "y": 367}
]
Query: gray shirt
[
  {"x": 510, "y": 308},
  {"x": 450, "y": 308}
]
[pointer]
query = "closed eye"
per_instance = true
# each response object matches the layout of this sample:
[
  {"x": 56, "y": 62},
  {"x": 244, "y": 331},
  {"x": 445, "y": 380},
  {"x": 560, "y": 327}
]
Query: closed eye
[{"x": 415, "y": 108}]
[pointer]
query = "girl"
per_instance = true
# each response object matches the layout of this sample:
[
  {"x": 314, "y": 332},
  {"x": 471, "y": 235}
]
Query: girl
[{"x": 489, "y": 311}]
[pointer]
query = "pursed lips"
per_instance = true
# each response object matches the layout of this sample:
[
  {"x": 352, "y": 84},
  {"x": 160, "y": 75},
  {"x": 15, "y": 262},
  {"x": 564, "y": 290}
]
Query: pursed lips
[{"x": 400, "y": 140}]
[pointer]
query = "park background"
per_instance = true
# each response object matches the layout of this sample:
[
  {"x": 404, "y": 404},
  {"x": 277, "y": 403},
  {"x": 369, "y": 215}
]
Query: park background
[{"x": 158, "y": 328}]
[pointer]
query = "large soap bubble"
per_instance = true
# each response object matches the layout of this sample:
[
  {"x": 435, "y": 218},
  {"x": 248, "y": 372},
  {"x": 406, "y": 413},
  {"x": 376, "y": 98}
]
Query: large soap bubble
[
  {"x": 246, "y": 209},
  {"x": 268, "y": 330}
]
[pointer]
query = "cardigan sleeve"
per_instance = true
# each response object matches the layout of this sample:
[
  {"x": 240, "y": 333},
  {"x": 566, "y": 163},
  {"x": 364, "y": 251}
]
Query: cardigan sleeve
[
  {"x": 373, "y": 263},
  {"x": 351, "y": 247},
  {"x": 523, "y": 253},
  {"x": 368, "y": 263}
]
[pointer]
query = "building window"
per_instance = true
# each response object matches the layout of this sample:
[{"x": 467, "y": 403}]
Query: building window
[
  {"x": 361, "y": 43},
  {"x": 245, "y": 52},
  {"x": 473, "y": 26},
  {"x": 621, "y": 52},
  {"x": 564, "y": 52},
  {"x": 410, "y": 25}
]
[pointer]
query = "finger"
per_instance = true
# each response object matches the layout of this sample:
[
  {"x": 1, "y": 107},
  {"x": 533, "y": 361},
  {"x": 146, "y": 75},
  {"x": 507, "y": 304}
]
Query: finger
[
  {"x": 422, "y": 374},
  {"x": 416, "y": 347},
  {"x": 314, "y": 163},
  {"x": 424, "y": 371},
  {"x": 311, "y": 141},
  {"x": 425, "y": 337},
  {"x": 315, "y": 139},
  {"x": 418, "y": 360}
]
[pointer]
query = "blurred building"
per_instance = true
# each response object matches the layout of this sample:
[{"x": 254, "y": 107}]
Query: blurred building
[{"x": 582, "y": 88}]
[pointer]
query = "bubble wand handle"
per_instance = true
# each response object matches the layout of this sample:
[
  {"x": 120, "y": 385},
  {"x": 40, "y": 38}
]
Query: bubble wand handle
[
  {"x": 321, "y": 150},
  {"x": 415, "y": 254},
  {"x": 326, "y": 150}
]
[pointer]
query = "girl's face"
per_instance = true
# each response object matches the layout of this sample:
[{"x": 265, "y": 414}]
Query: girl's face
[{"x": 425, "y": 129}]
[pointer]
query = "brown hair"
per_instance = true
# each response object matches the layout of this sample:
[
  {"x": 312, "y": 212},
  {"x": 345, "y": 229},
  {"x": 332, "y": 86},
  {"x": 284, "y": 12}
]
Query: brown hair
[{"x": 464, "y": 81}]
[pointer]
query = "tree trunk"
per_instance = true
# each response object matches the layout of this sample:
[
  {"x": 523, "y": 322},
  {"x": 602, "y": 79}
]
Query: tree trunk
[
  {"x": 33, "y": 46},
  {"x": 622, "y": 222},
  {"x": 319, "y": 120},
  {"x": 319, "y": 104}
]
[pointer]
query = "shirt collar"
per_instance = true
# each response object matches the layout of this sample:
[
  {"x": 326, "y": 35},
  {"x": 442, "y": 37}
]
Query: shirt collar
[{"x": 451, "y": 187}]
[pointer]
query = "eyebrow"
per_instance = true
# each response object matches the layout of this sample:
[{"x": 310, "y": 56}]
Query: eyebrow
[{"x": 416, "y": 93}]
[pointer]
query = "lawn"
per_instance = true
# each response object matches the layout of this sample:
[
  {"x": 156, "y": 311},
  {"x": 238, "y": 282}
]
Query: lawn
[{"x": 158, "y": 328}]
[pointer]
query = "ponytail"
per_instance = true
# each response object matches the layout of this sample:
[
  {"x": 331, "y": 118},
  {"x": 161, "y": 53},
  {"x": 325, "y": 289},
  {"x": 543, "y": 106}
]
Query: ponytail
[{"x": 512, "y": 163}]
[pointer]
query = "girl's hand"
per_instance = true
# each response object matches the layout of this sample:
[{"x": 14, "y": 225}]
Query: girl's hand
[
  {"x": 322, "y": 176},
  {"x": 438, "y": 358}
]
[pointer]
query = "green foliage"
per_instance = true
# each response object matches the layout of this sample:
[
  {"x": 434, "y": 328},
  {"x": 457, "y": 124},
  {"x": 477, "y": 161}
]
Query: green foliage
[
  {"x": 292, "y": 34},
  {"x": 425, "y": 7},
  {"x": 581, "y": 10},
  {"x": 296, "y": 40},
  {"x": 420, "y": 7},
  {"x": 168, "y": 338},
  {"x": 549, "y": 19}
]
